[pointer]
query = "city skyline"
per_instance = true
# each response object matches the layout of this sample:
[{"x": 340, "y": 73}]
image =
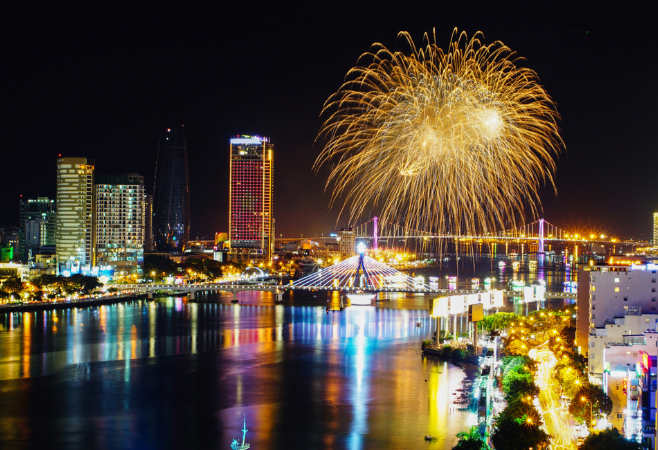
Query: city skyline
[{"x": 570, "y": 49}]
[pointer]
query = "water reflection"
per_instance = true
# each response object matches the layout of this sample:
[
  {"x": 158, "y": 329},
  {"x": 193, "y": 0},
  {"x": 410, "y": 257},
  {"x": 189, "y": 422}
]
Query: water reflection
[{"x": 173, "y": 374}]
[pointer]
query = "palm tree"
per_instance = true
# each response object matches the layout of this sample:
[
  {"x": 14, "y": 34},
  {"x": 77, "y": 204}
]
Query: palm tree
[{"x": 471, "y": 440}]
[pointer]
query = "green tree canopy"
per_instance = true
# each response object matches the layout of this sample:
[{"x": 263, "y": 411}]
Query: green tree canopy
[
  {"x": 13, "y": 284},
  {"x": 590, "y": 402},
  {"x": 514, "y": 433},
  {"x": 470, "y": 440},
  {"x": 83, "y": 283},
  {"x": 159, "y": 264},
  {"x": 208, "y": 267},
  {"x": 608, "y": 439}
]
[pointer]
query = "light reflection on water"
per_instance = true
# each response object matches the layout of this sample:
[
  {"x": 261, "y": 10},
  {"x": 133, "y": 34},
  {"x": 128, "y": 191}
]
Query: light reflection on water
[{"x": 172, "y": 374}]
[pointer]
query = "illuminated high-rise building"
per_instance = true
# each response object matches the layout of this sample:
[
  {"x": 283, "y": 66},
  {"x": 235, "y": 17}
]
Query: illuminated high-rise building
[
  {"x": 74, "y": 224},
  {"x": 37, "y": 226},
  {"x": 171, "y": 194},
  {"x": 655, "y": 229},
  {"x": 120, "y": 223},
  {"x": 250, "y": 199}
]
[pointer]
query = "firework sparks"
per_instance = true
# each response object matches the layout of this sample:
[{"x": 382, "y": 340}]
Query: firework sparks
[{"x": 444, "y": 142}]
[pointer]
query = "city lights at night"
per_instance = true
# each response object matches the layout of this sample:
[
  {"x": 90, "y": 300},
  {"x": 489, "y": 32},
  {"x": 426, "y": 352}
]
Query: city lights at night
[{"x": 421, "y": 225}]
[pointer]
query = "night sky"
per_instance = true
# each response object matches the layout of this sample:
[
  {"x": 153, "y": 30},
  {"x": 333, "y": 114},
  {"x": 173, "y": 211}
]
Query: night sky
[{"x": 105, "y": 79}]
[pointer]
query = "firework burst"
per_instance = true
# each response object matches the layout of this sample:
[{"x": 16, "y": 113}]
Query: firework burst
[{"x": 443, "y": 142}]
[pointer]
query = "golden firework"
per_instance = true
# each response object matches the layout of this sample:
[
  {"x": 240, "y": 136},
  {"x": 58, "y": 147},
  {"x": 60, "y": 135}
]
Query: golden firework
[{"x": 454, "y": 142}]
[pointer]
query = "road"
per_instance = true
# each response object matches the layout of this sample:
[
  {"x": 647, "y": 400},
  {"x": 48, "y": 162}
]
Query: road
[{"x": 556, "y": 418}]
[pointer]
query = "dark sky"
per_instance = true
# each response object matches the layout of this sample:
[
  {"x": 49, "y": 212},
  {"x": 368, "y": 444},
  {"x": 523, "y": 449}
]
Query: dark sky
[{"x": 105, "y": 79}]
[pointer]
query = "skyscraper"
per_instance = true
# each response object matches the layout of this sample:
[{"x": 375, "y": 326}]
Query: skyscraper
[
  {"x": 655, "y": 229},
  {"x": 37, "y": 226},
  {"x": 171, "y": 194},
  {"x": 250, "y": 199},
  {"x": 74, "y": 226},
  {"x": 148, "y": 217},
  {"x": 120, "y": 223}
]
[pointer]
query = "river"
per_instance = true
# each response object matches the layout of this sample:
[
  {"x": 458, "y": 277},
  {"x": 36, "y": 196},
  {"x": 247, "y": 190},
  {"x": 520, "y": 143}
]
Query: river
[{"x": 173, "y": 374}]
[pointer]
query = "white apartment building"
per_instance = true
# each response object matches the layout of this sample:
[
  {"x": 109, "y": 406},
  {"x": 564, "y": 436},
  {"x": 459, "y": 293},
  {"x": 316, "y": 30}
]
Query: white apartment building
[
  {"x": 623, "y": 330},
  {"x": 614, "y": 289},
  {"x": 629, "y": 379},
  {"x": 120, "y": 223},
  {"x": 74, "y": 226}
]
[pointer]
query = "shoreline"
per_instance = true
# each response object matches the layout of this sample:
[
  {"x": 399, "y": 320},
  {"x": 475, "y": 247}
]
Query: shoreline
[{"x": 41, "y": 306}]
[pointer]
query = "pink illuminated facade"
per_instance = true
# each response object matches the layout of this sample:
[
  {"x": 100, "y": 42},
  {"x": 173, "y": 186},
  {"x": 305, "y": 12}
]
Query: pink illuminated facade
[{"x": 250, "y": 208}]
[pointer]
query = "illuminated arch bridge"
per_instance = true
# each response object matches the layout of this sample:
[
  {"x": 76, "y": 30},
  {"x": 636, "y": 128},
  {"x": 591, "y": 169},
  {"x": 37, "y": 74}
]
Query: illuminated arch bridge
[{"x": 362, "y": 272}]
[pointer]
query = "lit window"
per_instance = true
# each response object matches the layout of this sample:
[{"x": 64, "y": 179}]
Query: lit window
[
  {"x": 616, "y": 280},
  {"x": 616, "y": 289}
]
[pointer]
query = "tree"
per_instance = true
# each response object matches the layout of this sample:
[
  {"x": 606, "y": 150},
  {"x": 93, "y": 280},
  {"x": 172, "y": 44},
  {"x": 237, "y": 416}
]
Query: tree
[
  {"x": 159, "y": 264},
  {"x": 590, "y": 402},
  {"x": 471, "y": 440},
  {"x": 514, "y": 433},
  {"x": 499, "y": 321},
  {"x": 81, "y": 283},
  {"x": 608, "y": 439},
  {"x": 511, "y": 362},
  {"x": 519, "y": 382},
  {"x": 206, "y": 267},
  {"x": 13, "y": 285}
]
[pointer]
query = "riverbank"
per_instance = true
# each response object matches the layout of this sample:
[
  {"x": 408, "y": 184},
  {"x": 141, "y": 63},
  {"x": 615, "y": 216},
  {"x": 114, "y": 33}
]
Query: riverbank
[{"x": 65, "y": 304}]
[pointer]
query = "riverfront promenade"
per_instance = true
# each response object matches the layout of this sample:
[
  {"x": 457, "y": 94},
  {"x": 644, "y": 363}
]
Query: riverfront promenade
[{"x": 73, "y": 303}]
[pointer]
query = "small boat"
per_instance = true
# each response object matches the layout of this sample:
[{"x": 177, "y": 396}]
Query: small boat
[{"x": 429, "y": 437}]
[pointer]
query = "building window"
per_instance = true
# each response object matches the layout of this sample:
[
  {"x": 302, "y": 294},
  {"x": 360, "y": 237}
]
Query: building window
[
  {"x": 653, "y": 308},
  {"x": 593, "y": 306},
  {"x": 653, "y": 299},
  {"x": 616, "y": 280},
  {"x": 625, "y": 299},
  {"x": 619, "y": 416},
  {"x": 653, "y": 289},
  {"x": 593, "y": 316},
  {"x": 653, "y": 280},
  {"x": 616, "y": 289}
]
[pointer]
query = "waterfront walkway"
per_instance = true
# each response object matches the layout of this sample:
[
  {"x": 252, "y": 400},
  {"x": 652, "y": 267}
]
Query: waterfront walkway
[{"x": 73, "y": 303}]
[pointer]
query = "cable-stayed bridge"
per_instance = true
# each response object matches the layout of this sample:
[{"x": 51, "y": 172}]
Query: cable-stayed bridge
[{"x": 539, "y": 232}]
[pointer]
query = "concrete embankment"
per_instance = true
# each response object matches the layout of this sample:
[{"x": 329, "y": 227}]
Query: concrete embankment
[{"x": 77, "y": 303}]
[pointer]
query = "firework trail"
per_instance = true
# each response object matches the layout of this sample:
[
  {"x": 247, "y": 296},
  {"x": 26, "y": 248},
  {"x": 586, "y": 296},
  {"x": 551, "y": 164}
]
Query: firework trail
[{"x": 454, "y": 142}]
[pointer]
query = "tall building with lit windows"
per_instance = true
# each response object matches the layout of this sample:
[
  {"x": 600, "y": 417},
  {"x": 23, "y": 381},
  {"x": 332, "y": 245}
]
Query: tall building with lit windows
[
  {"x": 655, "y": 229},
  {"x": 74, "y": 224},
  {"x": 250, "y": 199},
  {"x": 171, "y": 193},
  {"x": 37, "y": 226},
  {"x": 120, "y": 223}
]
